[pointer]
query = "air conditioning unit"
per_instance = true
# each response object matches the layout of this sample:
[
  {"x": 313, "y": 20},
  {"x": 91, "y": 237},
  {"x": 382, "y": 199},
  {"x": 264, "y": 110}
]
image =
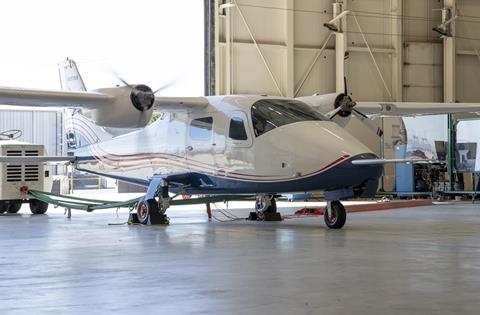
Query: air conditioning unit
[{"x": 17, "y": 179}]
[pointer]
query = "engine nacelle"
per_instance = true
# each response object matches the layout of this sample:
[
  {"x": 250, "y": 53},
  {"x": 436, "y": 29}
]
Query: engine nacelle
[{"x": 130, "y": 107}]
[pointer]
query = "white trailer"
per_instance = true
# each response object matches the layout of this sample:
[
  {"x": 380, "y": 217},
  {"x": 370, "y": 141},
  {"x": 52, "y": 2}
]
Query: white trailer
[{"x": 18, "y": 177}]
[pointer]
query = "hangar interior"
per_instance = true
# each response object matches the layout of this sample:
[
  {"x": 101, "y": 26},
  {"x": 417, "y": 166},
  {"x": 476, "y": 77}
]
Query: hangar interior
[
  {"x": 282, "y": 48},
  {"x": 171, "y": 243}
]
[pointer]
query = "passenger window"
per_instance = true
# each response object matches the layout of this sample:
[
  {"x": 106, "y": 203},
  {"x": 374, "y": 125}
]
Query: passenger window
[
  {"x": 201, "y": 129},
  {"x": 237, "y": 129}
]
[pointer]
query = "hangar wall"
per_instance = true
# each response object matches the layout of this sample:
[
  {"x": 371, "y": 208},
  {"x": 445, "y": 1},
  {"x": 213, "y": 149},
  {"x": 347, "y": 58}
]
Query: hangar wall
[
  {"x": 275, "y": 47},
  {"x": 38, "y": 127}
]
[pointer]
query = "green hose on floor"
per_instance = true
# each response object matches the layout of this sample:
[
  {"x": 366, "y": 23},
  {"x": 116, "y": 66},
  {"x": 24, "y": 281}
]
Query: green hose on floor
[
  {"x": 78, "y": 203},
  {"x": 90, "y": 205}
]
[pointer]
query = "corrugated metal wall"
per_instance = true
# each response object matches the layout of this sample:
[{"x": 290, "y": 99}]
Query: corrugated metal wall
[{"x": 38, "y": 127}]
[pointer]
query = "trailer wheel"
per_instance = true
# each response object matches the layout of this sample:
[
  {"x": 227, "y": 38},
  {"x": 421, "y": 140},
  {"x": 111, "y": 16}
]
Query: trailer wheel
[
  {"x": 38, "y": 207},
  {"x": 14, "y": 207},
  {"x": 3, "y": 207}
]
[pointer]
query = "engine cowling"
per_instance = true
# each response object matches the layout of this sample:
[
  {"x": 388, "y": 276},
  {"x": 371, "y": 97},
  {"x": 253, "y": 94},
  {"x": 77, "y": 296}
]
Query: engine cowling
[{"x": 131, "y": 107}]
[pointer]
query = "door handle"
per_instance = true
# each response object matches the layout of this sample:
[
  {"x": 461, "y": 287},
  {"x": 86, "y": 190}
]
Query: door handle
[{"x": 189, "y": 148}]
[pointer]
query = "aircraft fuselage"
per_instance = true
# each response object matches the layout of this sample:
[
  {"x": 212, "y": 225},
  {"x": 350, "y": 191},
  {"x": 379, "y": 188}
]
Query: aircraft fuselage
[{"x": 238, "y": 144}]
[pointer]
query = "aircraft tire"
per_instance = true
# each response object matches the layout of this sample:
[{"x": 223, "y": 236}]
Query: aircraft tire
[
  {"x": 338, "y": 218},
  {"x": 14, "y": 207},
  {"x": 37, "y": 206},
  {"x": 144, "y": 209}
]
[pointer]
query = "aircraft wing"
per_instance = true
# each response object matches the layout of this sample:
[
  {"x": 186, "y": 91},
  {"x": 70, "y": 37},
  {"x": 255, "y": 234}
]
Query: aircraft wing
[
  {"x": 172, "y": 103},
  {"x": 49, "y": 98},
  {"x": 87, "y": 100},
  {"x": 392, "y": 109}
]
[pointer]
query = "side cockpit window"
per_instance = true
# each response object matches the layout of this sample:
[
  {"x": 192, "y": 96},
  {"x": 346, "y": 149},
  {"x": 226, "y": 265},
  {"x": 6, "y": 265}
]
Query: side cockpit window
[
  {"x": 237, "y": 129},
  {"x": 201, "y": 129}
]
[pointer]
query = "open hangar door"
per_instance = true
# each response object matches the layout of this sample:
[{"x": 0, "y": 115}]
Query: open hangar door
[{"x": 156, "y": 48}]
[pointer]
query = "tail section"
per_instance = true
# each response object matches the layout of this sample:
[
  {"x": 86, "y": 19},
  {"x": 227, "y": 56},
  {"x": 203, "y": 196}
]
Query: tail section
[
  {"x": 70, "y": 78},
  {"x": 80, "y": 131}
]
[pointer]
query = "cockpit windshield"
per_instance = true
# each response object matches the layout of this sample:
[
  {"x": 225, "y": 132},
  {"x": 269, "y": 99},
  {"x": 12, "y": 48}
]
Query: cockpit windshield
[{"x": 269, "y": 114}]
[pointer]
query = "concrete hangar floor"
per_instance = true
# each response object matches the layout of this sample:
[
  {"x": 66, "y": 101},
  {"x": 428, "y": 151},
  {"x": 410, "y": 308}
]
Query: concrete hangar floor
[{"x": 423, "y": 260}]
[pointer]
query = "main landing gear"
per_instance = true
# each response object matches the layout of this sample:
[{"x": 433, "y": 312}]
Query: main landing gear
[
  {"x": 265, "y": 209},
  {"x": 335, "y": 215},
  {"x": 151, "y": 209}
]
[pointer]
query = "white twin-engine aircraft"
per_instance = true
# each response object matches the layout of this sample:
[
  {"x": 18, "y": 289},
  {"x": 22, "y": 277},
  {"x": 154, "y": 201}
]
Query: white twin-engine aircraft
[{"x": 220, "y": 145}]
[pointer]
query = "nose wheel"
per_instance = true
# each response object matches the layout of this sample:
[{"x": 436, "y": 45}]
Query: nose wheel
[
  {"x": 265, "y": 209},
  {"x": 335, "y": 215}
]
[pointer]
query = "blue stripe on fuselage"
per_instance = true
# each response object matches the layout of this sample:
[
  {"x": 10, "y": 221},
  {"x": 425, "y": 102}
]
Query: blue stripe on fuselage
[{"x": 343, "y": 175}]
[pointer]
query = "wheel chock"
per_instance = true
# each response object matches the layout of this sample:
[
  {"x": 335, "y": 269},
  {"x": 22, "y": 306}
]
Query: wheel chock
[
  {"x": 267, "y": 217},
  {"x": 133, "y": 218},
  {"x": 158, "y": 219},
  {"x": 273, "y": 216}
]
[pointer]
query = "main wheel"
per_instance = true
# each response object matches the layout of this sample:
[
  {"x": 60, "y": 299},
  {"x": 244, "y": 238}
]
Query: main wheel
[
  {"x": 14, "y": 207},
  {"x": 145, "y": 208},
  {"x": 3, "y": 207},
  {"x": 337, "y": 217},
  {"x": 38, "y": 207}
]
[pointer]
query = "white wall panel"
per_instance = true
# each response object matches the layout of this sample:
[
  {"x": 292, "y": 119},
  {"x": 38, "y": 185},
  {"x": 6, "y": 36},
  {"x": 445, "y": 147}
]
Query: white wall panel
[
  {"x": 324, "y": 68},
  {"x": 423, "y": 72},
  {"x": 38, "y": 127}
]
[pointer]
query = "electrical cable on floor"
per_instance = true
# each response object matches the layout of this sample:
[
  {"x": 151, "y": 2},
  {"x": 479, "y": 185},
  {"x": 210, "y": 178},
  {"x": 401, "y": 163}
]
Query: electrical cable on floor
[
  {"x": 122, "y": 223},
  {"x": 225, "y": 212},
  {"x": 231, "y": 217}
]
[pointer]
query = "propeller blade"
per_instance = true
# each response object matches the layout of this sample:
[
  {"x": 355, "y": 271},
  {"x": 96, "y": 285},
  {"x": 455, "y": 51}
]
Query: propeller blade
[
  {"x": 330, "y": 115},
  {"x": 345, "y": 85},
  {"x": 361, "y": 114},
  {"x": 368, "y": 122},
  {"x": 123, "y": 81},
  {"x": 117, "y": 76},
  {"x": 165, "y": 86}
]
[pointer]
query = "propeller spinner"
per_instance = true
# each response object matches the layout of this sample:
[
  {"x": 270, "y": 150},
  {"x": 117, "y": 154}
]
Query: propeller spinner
[{"x": 142, "y": 96}]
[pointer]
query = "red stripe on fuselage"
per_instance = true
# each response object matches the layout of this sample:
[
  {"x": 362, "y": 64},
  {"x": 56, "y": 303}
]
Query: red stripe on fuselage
[{"x": 132, "y": 161}]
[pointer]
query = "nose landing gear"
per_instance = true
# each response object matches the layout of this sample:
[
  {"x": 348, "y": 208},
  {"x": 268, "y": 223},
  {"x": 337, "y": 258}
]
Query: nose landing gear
[
  {"x": 265, "y": 209},
  {"x": 335, "y": 215}
]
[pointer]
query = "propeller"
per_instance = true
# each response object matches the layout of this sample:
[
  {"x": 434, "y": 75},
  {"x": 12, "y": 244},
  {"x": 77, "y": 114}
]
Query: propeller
[
  {"x": 142, "y": 96},
  {"x": 344, "y": 107},
  {"x": 343, "y": 104}
]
